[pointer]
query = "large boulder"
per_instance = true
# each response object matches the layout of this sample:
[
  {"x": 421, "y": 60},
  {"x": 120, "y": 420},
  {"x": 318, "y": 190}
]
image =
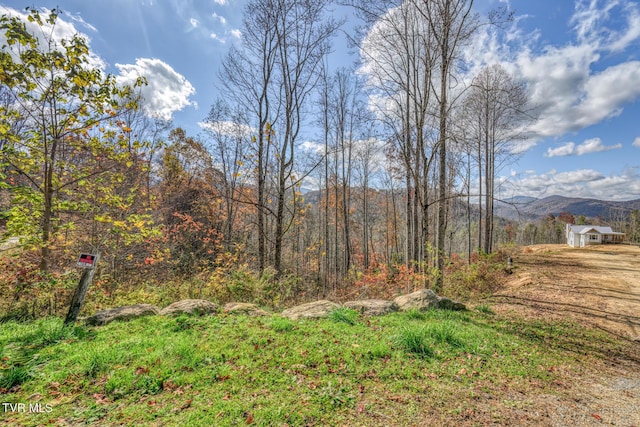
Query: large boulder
[
  {"x": 310, "y": 310},
  {"x": 244, "y": 308},
  {"x": 448, "y": 304},
  {"x": 372, "y": 307},
  {"x": 422, "y": 300},
  {"x": 198, "y": 307},
  {"x": 126, "y": 312}
]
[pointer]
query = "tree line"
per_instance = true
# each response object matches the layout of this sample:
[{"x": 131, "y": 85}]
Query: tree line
[{"x": 305, "y": 178}]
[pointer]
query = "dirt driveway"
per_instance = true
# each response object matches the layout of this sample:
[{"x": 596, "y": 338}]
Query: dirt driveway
[{"x": 598, "y": 286}]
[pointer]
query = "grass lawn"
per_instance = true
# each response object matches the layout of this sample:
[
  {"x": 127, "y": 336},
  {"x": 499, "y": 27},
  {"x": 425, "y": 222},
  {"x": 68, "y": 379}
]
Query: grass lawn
[{"x": 400, "y": 369}]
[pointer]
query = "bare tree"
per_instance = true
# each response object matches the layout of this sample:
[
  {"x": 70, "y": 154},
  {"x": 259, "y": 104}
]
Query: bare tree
[
  {"x": 272, "y": 76},
  {"x": 495, "y": 112},
  {"x": 451, "y": 24},
  {"x": 399, "y": 59},
  {"x": 229, "y": 133}
]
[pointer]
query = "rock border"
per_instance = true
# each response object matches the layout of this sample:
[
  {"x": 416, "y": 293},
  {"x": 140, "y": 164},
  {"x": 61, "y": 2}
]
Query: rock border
[{"x": 422, "y": 300}]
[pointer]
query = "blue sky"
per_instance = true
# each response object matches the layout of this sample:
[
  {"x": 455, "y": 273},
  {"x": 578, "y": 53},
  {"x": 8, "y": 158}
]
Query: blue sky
[{"x": 580, "y": 60}]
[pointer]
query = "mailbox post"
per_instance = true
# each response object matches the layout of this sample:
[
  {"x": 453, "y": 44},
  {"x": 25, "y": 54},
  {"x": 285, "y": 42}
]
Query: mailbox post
[{"x": 88, "y": 262}]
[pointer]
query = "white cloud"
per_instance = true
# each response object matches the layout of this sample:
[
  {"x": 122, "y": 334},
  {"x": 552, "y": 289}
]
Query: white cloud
[
  {"x": 194, "y": 22},
  {"x": 77, "y": 18},
  {"x": 590, "y": 21},
  {"x": 237, "y": 34},
  {"x": 214, "y": 36},
  {"x": 567, "y": 149},
  {"x": 593, "y": 145},
  {"x": 167, "y": 92},
  {"x": 585, "y": 183},
  {"x": 571, "y": 86},
  {"x": 221, "y": 2},
  {"x": 228, "y": 128},
  {"x": 636, "y": 142},
  {"x": 312, "y": 147},
  {"x": 220, "y": 18}
]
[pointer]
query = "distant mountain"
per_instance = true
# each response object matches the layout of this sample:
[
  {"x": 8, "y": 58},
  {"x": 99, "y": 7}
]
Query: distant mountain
[{"x": 530, "y": 208}]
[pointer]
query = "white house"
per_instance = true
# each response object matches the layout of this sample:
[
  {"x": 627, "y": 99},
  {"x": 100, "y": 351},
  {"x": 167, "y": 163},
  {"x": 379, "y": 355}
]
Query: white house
[{"x": 579, "y": 236}]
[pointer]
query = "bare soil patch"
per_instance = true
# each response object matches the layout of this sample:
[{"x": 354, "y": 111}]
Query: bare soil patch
[{"x": 598, "y": 286}]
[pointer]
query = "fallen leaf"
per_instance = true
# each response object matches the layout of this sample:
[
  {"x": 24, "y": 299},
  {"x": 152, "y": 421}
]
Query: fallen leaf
[
  {"x": 101, "y": 399},
  {"x": 140, "y": 370}
]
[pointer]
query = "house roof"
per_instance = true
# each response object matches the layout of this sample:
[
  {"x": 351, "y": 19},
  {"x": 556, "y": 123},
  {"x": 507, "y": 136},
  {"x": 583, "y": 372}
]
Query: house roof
[{"x": 586, "y": 229}]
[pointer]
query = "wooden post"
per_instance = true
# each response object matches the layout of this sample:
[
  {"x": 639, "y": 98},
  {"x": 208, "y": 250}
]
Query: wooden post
[{"x": 78, "y": 296}]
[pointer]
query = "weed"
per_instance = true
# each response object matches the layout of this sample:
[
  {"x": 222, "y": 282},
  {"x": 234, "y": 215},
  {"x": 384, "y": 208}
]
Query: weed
[
  {"x": 344, "y": 315},
  {"x": 379, "y": 350},
  {"x": 415, "y": 314},
  {"x": 281, "y": 324},
  {"x": 146, "y": 384},
  {"x": 415, "y": 340},
  {"x": 485, "y": 309},
  {"x": 443, "y": 332},
  {"x": 15, "y": 376},
  {"x": 99, "y": 360},
  {"x": 334, "y": 396},
  {"x": 183, "y": 323}
]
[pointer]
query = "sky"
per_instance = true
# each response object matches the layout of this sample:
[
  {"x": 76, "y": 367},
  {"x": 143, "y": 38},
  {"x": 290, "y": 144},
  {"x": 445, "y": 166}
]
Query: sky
[{"x": 579, "y": 59}]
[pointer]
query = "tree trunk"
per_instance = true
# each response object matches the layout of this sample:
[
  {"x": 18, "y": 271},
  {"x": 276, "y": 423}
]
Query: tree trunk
[{"x": 442, "y": 172}]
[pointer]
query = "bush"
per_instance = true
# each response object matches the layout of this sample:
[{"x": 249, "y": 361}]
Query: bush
[
  {"x": 240, "y": 284},
  {"x": 479, "y": 279}
]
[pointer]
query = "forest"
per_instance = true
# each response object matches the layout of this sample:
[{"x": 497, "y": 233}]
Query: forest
[{"x": 395, "y": 191}]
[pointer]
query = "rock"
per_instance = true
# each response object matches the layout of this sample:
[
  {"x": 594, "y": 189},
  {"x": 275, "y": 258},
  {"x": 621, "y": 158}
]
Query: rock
[
  {"x": 372, "y": 307},
  {"x": 244, "y": 308},
  {"x": 448, "y": 304},
  {"x": 126, "y": 312},
  {"x": 422, "y": 300},
  {"x": 310, "y": 310},
  {"x": 198, "y": 307}
]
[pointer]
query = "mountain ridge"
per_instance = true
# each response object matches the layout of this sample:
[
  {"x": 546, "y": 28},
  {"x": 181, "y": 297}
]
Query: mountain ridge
[{"x": 524, "y": 207}]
